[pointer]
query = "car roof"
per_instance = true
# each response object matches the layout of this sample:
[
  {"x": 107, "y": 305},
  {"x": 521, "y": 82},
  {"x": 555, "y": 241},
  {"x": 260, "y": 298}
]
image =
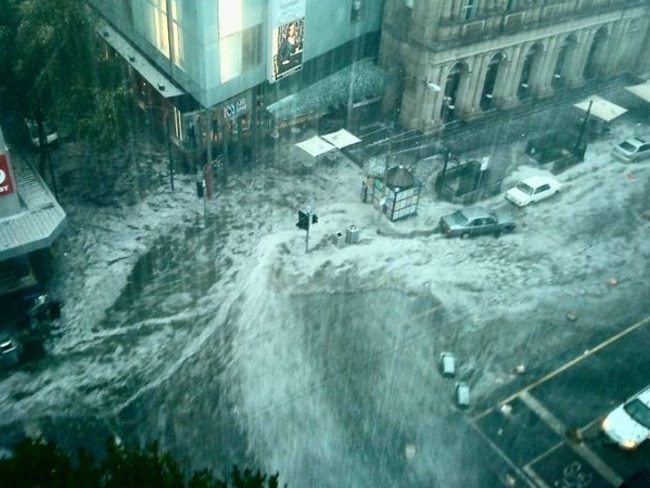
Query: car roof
[
  {"x": 474, "y": 212},
  {"x": 538, "y": 180},
  {"x": 636, "y": 140}
]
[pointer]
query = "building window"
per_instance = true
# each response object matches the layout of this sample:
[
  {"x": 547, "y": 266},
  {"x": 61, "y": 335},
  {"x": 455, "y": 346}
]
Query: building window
[
  {"x": 162, "y": 29},
  {"x": 177, "y": 35},
  {"x": 511, "y": 5},
  {"x": 230, "y": 39},
  {"x": 251, "y": 47},
  {"x": 356, "y": 12},
  {"x": 469, "y": 9},
  {"x": 239, "y": 49}
]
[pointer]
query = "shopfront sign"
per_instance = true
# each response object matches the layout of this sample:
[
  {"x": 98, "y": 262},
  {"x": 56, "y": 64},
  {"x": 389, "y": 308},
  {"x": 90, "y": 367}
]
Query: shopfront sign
[
  {"x": 232, "y": 110},
  {"x": 6, "y": 185}
]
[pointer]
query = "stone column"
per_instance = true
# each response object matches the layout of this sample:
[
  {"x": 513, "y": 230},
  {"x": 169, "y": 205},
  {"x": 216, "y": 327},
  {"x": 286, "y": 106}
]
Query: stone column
[
  {"x": 470, "y": 106},
  {"x": 544, "y": 69},
  {"x": 432, "y": 103},
  {"x": 575, "y": 73},
  {"x": 505, "y": 88}
]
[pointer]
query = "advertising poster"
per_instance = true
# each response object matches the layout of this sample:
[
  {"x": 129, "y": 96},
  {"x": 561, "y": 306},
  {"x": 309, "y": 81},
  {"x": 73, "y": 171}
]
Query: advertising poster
[
  {"x": 288, "y": 33},
  {"x": 6, "y": 185}
]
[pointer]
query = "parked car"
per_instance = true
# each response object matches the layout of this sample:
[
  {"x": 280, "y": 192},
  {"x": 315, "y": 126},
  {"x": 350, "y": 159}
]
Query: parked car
[
  {"x": 533, "y": 189},
  {"x": 472, "y": 221},
  {"x": 51, "y": 135},
  {"x": 633, "y": 149},
  {"x": 628, "y": 425}
]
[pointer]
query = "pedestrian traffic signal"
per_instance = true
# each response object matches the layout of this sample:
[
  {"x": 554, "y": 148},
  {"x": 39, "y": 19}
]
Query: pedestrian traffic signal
[
  {"x": 303, "y": 221},
  {"x": 314, "y": 219}
]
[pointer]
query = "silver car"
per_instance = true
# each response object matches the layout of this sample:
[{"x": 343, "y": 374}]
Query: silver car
[
  {"x": 473, "y": 221},
  {"x": 633, "y": 149}
]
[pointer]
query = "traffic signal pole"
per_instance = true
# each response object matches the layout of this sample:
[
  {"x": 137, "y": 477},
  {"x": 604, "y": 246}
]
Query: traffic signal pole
[
  {"x": 307, "y": 234},
  {"x": 305, "y": 219}
]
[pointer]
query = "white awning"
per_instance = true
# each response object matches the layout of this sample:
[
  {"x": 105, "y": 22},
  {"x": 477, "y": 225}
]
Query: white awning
[
  {"x": 315, "y": 146},
  {"x": 641, "y": 91},
  {"x": 154, "y": 77},
  {"x": 341, "y": 138},
  {"x": 601, "y": 108},
  {"x": 39, "y": 222}
]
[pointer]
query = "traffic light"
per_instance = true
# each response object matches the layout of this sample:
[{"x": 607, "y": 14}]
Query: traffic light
[
  {"x": 314, "y": 219},
  {"x": 199, "y": 188},
  {"x": 303, "y": 220}
]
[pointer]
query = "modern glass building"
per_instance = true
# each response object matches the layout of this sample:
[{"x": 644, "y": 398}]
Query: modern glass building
[{"x": 219, "y": 59}]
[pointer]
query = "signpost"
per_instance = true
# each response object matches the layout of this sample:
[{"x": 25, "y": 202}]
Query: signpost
[{"x": 305, "y": 219}]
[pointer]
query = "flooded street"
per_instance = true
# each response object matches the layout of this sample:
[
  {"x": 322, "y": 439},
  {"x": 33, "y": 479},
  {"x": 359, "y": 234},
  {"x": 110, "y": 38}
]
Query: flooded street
[{"x": 219, "y": 336}]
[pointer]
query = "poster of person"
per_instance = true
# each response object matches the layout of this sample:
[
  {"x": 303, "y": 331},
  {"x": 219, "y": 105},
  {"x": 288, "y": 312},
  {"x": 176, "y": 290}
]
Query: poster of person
[{"x": 288, "y": 47}]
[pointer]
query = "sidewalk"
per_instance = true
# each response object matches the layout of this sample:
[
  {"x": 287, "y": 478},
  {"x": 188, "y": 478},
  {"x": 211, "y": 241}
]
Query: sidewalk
[{"x": 502, "y": 135}]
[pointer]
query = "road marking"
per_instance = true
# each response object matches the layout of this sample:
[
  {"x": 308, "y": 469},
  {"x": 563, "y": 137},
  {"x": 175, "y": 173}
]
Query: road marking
[
  {"x": 534, "y": 476},
  {"x": 503, "y": 456},
  {"x": 566, "y": 366},
  {"x": 582, "y": 450}
]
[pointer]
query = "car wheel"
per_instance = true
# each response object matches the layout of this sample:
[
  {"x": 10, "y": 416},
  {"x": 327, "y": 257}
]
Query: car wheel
[
  {"x": 497, "y": 233},
  {"x": 464, "y": 235}
]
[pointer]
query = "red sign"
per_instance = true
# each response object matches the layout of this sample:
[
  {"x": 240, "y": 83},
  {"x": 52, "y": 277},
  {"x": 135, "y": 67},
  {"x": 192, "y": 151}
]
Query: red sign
[{"x": 6, "y": 186}]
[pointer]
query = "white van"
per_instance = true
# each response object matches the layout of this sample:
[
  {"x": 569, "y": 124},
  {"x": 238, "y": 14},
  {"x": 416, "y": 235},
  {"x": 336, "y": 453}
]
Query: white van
[{"x": 628, "y": 425}]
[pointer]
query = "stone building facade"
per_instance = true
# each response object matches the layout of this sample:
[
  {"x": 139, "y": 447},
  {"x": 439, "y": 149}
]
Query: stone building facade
[{"x": 450, "y": 59}]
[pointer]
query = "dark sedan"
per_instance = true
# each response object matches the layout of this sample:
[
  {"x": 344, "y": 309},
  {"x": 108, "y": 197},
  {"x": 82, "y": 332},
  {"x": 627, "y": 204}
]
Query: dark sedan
[{"x": 472, "y": 221}]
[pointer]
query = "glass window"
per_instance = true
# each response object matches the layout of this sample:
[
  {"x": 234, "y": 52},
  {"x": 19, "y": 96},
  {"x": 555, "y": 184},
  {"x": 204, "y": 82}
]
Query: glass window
[
  {"x": 525, "y": 188},
  {"x": 251, "y": 47},
  {"x": 161, "y": 31},
  {"x": 639, "y": 411},
  {"x": 470, "y": 8},
  {"x": 177, "y": 34},
  {"x": 230, "y": 49}
]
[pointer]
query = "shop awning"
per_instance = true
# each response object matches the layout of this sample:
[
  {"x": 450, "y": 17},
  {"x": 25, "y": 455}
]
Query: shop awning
[
  {"x": 315, "y": 146},
  {"x": 641, "y": 91},
  {"x": 341, "y": 138},
  {"x": 601, "y": 108},
  {"x": 40, "y": 220},
  {"x": 149, "y": 72}
]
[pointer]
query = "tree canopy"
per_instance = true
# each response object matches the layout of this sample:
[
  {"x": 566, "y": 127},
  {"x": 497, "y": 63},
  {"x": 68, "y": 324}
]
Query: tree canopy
[
  {"x": 57, "y": 68},
  {"x": 40, "y": 463}
]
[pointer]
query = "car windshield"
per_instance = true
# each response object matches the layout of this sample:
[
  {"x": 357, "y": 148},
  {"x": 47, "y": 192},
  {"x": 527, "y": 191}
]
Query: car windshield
[
  {"x": 526, "y": 188},
  {"x": 459, "y": 217},
  {"x": 627, "y": 147},
  {"x": 639, "y": 411}
]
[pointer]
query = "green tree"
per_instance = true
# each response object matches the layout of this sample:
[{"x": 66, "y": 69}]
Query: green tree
[
  {"x": 59, "y": 69},
  {"x": 39, "y": 463}
]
